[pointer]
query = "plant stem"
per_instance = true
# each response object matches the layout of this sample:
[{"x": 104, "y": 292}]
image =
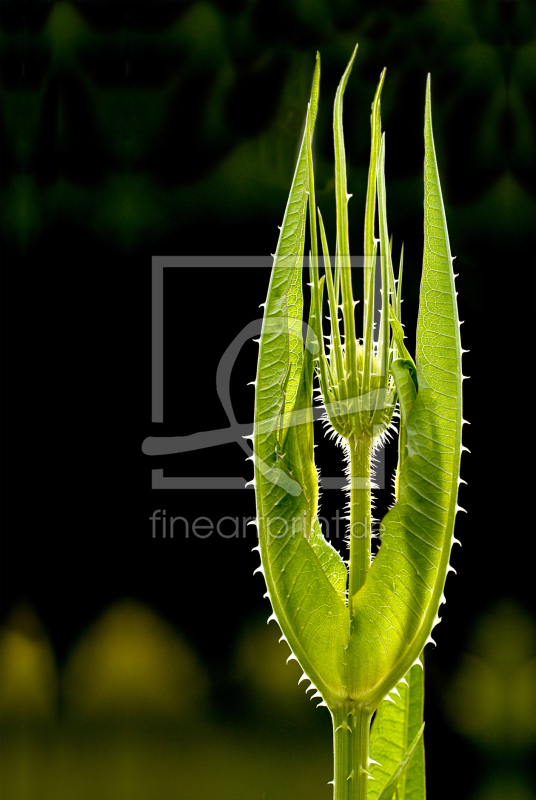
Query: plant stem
[
  {"x": 351, "y": 733},
  {"x": 360, "y": 454}
]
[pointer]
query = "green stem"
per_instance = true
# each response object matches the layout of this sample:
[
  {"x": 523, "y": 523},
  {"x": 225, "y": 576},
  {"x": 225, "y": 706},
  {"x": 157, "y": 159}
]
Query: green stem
[
  {"x": 360, "y": 454},
  {"x": 351, "y": 734},
  {"x": 342, "y": 750}
]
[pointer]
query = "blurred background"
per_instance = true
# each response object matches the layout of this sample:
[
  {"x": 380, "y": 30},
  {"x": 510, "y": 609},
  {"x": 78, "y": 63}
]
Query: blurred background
[{"x": 137, "y": 667}]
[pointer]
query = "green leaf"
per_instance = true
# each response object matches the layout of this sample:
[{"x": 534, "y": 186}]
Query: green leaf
[
  {"x": 330, "y": 559},
  {"x": 370, "y": 242},
  {"x": 392, "y": 784},
  {"x": 399, "y": 286},
  {"x": 397, "y": 607},
  {"x": 324, "y": 371},
  {"x": 386, "y": 265},
  {"x": 335, "y": 359},
  {"x": 396, "y": 742},
  {"x": 398, "y": 336},
  {"x": 297, "y": 566},
  {"x": 343, "y": 242},
  {"x": 405, "y": 376},
  {"x": 300, "y": 460}
]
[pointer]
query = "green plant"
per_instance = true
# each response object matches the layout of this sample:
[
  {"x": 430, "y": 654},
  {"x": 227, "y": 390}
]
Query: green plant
[{"x": 358, "y": 629}]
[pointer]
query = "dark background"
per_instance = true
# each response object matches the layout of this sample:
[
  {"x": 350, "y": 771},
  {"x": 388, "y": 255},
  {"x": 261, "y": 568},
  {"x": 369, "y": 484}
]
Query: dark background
[{"x": 172, "y": 128}]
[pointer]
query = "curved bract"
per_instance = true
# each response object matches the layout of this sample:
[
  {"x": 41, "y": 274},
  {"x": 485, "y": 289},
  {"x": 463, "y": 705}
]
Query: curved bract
[
  {"x": 357, "y": 630},
  {"x": 396, "y": 609},
  {"x": 312, "y": 614}
]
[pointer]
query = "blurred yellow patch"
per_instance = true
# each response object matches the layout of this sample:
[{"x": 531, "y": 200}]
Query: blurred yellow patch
[
  {"x": 493, "y": 698},
  {"x": 132, "y": 664},
  {"x": 28, "y": 679}
]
